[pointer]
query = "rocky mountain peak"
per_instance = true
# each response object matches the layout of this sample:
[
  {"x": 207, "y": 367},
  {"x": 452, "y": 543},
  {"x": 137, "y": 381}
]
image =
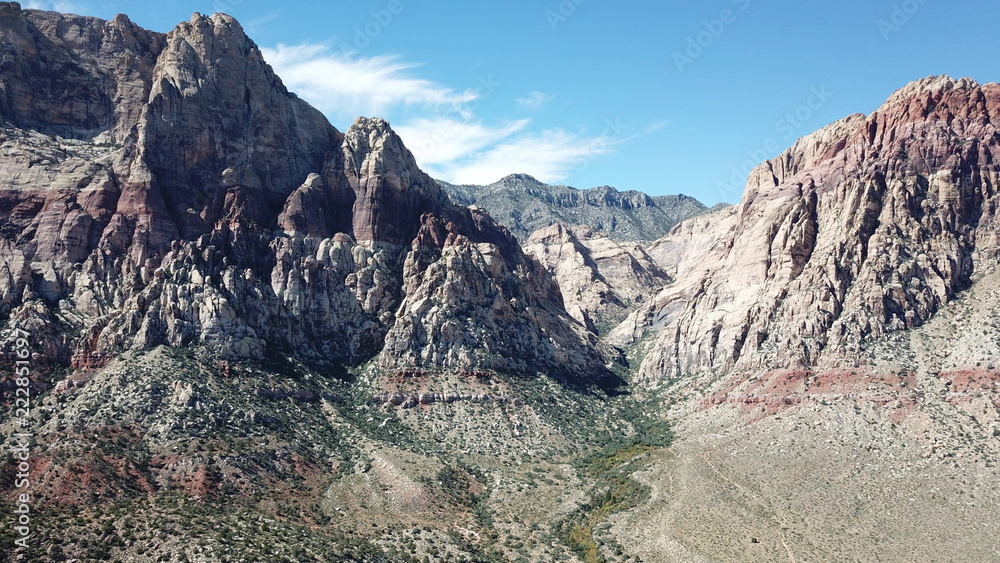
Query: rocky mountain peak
[
  {"x": 75, "y": 76},
  {"x": 193, "y": 44},
  {"x": 933, "y": 85},
  {"x": 932, "y": 102},
  {"x": 865, "y": 227},
  {"x": 371, "y": 147},
  {"x": 390, "y": 190},
  {"x": 200, "y": 202}
]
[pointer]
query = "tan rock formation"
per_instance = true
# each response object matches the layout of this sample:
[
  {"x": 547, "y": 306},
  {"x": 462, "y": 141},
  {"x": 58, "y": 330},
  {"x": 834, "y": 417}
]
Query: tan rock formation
[
  {"x": 601, "y": 279},
  {"x": 863, "y": 228},
  {"x": 194, "y": 200}
]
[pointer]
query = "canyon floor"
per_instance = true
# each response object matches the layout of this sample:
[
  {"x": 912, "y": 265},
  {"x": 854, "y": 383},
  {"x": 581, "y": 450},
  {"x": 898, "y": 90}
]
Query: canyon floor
[
  {"x": 818, "y": 483},
  {"x": 895, "y": 463}
]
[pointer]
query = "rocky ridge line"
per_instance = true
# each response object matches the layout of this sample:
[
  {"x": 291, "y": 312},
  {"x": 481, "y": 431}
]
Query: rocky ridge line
[
  {"x": 246, "y": 223},
  {"x": 866, "y": 227},
  {"x": 526, "y": 205}
]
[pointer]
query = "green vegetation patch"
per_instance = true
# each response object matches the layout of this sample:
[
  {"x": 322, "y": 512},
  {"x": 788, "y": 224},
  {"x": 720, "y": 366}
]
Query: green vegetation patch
[{"x": 613, "y": 490}]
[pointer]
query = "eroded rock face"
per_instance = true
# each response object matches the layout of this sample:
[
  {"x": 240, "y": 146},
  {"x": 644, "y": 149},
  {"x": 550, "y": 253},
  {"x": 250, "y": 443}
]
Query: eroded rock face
[
  {"x": 191, "y": 199},
  {"x": 389, "y": 189},
  {"x": 75, "y": 76},
  {"x": 467, "y": 303},
  {"x": 863, "y": 228},
  {"x": 601, "y": 280},
  {"x": 214, "y": 103}
]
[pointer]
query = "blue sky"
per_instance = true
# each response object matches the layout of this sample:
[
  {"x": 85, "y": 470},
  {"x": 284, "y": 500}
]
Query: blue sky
[{"x": 663, "y": 97}]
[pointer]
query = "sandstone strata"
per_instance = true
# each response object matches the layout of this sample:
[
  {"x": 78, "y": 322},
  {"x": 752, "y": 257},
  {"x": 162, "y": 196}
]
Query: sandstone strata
[
  {"x": 863, "y": 228},
  {"x": 168, "y": 189},
  {"x": 601, "y": 279}
]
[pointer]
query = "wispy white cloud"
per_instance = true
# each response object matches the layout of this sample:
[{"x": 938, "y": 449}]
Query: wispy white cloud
[
  {"x": 551, "y": 156},
  {"x": 442, "y": 140},
  {"x": 55, "y": 6},
  {"x": 343, "y": 86},
  {"x": 535, "y": 100},
  {"x": 255, "y": 25},
  {"x": 653, "y": 128},
  {"x": 452, "y": 141}
]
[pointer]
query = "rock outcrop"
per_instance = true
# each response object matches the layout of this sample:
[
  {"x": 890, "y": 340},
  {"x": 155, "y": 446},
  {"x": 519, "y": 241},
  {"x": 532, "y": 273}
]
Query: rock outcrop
[
  {"x": 601, "y": 279},
  {"x": 526, "y": 205},
  {"x": 168, "y": 189},
  {"x": 468, "y": 304},
  {"x": 74, "y": 76},
  {"x": 863, "y": 228}
]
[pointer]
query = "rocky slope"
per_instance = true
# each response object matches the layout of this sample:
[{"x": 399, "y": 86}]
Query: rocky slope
[
  {"x": 156, "y": 207},
  {"x": 827, "y": 352},
  {"x": 257, "y": 337},
  {"x": 601, "y": 279},
  {"x": 894, "y": 460},
  {"x": 525, "y": 205},
  {"x": 861, "y": 229}
]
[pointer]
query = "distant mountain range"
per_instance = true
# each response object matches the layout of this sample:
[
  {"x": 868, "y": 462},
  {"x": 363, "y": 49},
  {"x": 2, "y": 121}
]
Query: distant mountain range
[{"x": 524, "y": 205}]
